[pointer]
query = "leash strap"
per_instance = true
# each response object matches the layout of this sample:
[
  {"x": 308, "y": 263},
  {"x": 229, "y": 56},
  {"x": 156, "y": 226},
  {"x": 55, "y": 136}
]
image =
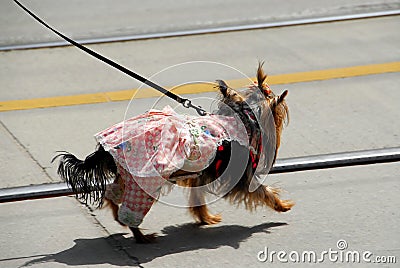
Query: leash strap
[{"x": 185, "y": 102}]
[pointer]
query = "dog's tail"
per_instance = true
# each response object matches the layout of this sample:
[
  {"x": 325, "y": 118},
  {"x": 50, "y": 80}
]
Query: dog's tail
[{"x": 87, "y": 178}]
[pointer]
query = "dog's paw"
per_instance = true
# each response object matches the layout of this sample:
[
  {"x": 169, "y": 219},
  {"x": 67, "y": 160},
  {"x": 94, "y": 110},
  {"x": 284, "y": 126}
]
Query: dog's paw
[
  {"x": 284, "y": 205},
  {"x": 211, "y": 219},
  {"x": 142, "y": 238}
]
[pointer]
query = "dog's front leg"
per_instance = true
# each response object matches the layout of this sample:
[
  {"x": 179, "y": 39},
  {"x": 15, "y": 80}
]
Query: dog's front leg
[
  {"x": 203, "y": 216},
  {"x": 198, "y": 207}
]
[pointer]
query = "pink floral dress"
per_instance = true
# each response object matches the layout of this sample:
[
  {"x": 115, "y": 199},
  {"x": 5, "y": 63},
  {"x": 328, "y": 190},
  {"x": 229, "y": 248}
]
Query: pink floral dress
[{"x": 150, "y": 147}]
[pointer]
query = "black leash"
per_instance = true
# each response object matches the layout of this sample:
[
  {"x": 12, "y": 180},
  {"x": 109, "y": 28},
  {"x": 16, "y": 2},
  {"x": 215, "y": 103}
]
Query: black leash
[{"x": 185, "y": 102}]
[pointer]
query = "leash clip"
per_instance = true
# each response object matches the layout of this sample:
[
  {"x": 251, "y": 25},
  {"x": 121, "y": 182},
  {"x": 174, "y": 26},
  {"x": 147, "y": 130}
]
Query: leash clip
[{"x": 188, "y": 104}]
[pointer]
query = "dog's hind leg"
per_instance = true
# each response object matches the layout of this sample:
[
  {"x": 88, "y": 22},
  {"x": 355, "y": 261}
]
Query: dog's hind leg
[
  {"x": 198, "y": 207},
  {"x": 142, "y": 238},
  {"x": 139, "y": 236},
  {"x": 113, "y": 196},
  {"x": 114, "y": 209},
  {"x": 138, "y": 197}
]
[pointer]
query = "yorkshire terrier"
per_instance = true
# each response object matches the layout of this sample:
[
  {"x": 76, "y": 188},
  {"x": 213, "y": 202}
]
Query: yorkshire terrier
[{"x": 223, "y": 153}]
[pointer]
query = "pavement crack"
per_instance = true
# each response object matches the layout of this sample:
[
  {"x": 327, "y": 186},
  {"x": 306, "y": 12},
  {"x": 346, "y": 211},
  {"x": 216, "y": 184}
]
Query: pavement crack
[
  {"x": 111, "y": 239},
  {"x": 25, "y": 149}
]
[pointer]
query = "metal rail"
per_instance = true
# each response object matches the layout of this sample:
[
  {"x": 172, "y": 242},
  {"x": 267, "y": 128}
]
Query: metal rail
[
  {"x": 205, "y": 30},
  {"x": 324, "y": 161},
  {"x": 345, "y": 159}
]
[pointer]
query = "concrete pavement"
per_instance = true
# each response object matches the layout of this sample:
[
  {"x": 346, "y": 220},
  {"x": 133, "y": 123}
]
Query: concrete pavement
[
  {"x": 105, "y": 18},
  {"x": 68, "y": 71},
  {"x": 38, "y": 234},
  {"x": 356, "y": 204}
]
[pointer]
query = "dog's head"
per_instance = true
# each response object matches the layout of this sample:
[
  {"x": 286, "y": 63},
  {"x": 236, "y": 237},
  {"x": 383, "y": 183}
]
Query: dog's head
[
  {"x": 276, "y": 103},
  {"x": 255, "y": 105}
]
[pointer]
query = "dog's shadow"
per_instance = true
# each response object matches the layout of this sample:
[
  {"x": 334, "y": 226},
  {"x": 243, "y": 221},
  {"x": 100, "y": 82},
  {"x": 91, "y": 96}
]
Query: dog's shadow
[{"x": 174, "y": 239}]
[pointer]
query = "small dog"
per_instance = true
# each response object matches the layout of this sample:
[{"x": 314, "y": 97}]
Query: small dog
[{"x": 223, "y": 153}]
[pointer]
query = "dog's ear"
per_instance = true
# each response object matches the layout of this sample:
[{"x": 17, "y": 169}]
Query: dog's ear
[
  {"x": 223, "y": 88},
  {"x": 261, "y": 76},
  {"x": 282, "y": 96}
]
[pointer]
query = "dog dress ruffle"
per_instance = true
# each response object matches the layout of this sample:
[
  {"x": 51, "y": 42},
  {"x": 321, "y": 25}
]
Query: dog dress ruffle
[{"x": 149, "y": 148}]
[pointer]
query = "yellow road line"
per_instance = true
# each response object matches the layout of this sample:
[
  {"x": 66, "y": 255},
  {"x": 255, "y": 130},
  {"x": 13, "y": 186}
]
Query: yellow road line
[{"x": 197, "y": 88}]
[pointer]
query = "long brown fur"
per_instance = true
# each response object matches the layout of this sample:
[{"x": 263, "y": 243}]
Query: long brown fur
[
  {"x": 261, "y": 76},
  {"x": 199, "y": 212},
  {"x": 279, "y": 108},
  {"x": 263, "y": 195}
]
